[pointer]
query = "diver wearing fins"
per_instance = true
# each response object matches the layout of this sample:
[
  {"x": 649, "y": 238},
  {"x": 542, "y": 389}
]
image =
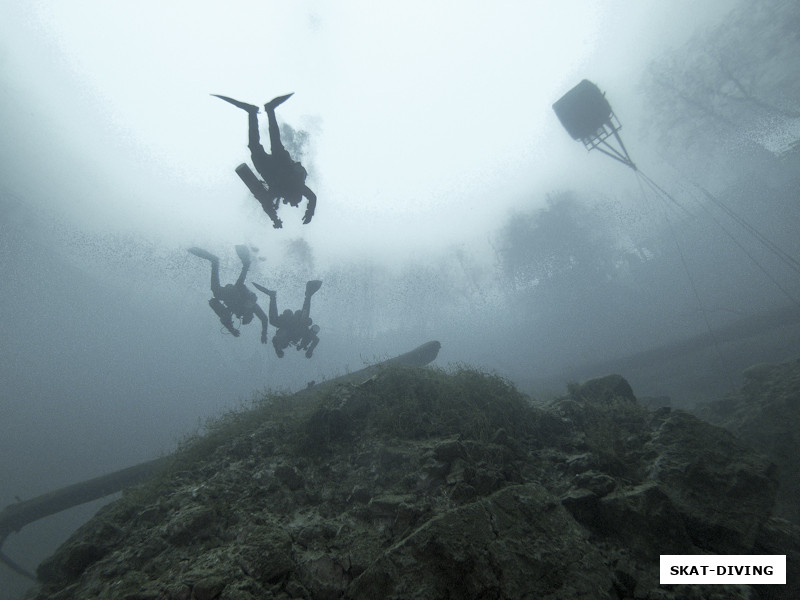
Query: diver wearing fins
[
  {"x": 284, "y": 177},
  {"x": 233, "y": 299},
  {"x": 293, "y": 327}
]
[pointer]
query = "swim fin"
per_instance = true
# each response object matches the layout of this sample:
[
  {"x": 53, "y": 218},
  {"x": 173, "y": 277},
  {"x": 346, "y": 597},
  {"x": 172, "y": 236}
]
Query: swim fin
[
  {"x": 237, "y": 103},
  {"x": 199, "y": 252},
  {"x": 244, "y": 254},
  {"x": 276, "y": 102},
  {"x": 261, "y": 288},
  {"x": 312, "y": 286}
]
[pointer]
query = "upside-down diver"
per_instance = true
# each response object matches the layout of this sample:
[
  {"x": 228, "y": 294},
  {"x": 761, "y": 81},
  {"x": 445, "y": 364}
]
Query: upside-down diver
[
  {"x": 284, "y": 177},
  {"x": 233, "y": 299},
  {"x": 293, "y": 327}
]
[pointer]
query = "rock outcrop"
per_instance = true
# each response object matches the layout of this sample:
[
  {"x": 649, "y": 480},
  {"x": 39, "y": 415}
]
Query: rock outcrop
[
  {"x": 765, "y": 413},
  {"x": 422, "y": 484}
]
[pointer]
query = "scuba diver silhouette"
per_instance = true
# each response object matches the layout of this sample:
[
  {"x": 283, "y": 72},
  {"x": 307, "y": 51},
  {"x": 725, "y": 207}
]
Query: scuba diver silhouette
[
  {"x": 293, "y": 327},
  {"x": 233, "y": 299},
  {"x": 284, "y": 177}
]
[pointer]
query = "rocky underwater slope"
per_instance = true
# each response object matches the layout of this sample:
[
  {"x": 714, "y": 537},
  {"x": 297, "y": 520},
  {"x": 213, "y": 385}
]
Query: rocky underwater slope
[
  {"x": 765, "y": 413},
  {"x": 420, "y": 483}
]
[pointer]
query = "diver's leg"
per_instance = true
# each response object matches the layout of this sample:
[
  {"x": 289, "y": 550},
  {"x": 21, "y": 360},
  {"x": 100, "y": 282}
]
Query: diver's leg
[
  {"x": 253, "y": 137},
  {"x": 273, "y": 303},
  {"x": 275, "y": 144},
  {"x": 252, "y": 120},
  {"x": 244, "y": 256},
  {"x": 273, "y": 307},
  {"x": 264, "y": 321},
  {"x": 199, "y": 252},
  {"x": 263, "y": 162},
  {"x": 274, "y": 131},
  {"x": 216, "y": 288},
  {"x": 252, "y": 113},
  {"x": 259, "y": 156},
  {"x": 311, "y": 288},
  {"x": 261, "y": 159}
]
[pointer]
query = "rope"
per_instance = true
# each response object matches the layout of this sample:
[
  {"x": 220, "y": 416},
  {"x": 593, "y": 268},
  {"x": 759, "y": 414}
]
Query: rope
[
  {"x": 787, "y": 259},
  {"x": 771, "y": 246},
  {"x": 663, "y": 195}
]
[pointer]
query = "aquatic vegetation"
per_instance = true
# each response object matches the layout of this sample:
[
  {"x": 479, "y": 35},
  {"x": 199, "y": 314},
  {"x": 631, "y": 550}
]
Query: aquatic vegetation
[{"x": 446, "y": 472}]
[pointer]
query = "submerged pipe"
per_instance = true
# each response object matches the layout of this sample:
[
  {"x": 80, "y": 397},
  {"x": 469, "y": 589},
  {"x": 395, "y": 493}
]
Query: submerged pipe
[{"x": 15, "y": 516}]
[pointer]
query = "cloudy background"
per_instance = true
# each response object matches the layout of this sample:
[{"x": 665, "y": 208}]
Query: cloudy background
[{"x": 430, "y": 135}]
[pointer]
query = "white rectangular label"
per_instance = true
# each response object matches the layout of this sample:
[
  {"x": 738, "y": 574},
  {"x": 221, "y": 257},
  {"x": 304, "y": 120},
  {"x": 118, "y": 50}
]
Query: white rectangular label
[{"x": 723, "y": 568}]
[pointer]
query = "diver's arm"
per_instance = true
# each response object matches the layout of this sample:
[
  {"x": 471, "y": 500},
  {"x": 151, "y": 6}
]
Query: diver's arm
[
  {"x": 314, "y": 342},
  {"x": 268, "y": 203},
  {"x": 312, "y": 204},
  {"x": 228, "y": 324}
]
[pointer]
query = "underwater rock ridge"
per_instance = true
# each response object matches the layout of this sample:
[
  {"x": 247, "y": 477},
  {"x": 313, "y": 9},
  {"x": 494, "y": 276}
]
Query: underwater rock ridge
[
  {"x": 765, "y": 413},
  {"x": 417, "y": 482}
]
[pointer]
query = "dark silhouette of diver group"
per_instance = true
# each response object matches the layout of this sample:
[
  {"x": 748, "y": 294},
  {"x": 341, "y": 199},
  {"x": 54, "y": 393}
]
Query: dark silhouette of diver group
[{"x": 283, "y": 179}]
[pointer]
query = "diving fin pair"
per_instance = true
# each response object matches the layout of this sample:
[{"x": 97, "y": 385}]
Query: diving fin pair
[{"x": 271, "y": 105}]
